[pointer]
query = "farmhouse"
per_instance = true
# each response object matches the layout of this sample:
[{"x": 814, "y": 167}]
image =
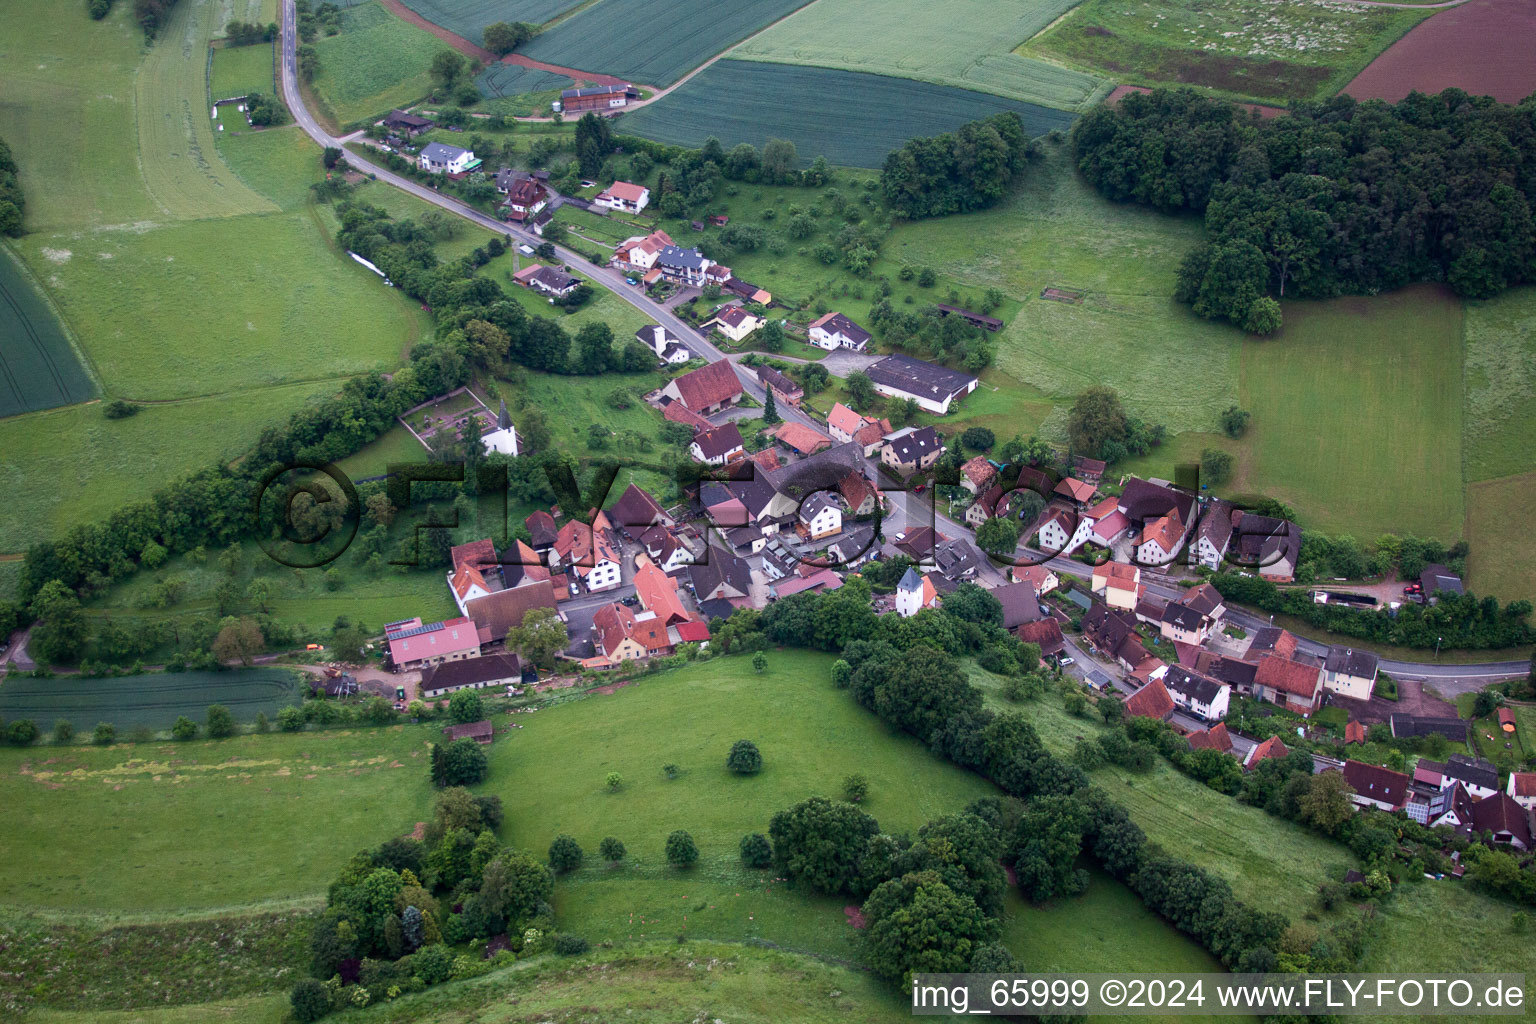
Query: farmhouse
[
  {"x": 1349, "y": 672},
  {"x": 414, "y": 645},
  {"x": 624, "y": 197},
  {"x": 441, "y": 158},
  {"x": 667, "y": 346},
  {"x": 1292, "y": 684},
  {"x": 911, "y": 449},
  {"x": 591, "y": 551},
  {"x": 707, "y": 389},
  {"x": 406, "y": 125},
  {"x": 1437, "y": 580},
  {"x": 1271, "y": 546},
  {"x": 472, "y": 674},
  {"x": 497, "y": 614},
  {"x": 1045, "y": 632},
  {"x": 595, "y": 97},
  {"x": 834, "y": 330},
  {"x": 716, "y": 447},
  {"x": 932, "y": 387},
  {"x": 784, "y": 389},
  {"x": 736, "y": 323}
]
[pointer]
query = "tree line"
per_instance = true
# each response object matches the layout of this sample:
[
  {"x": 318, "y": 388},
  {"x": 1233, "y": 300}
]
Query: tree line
[
  {"x": 967, "y": 169},
  {"x": 12, "y": 200},
  {"x": 150, "y": 14},
  {"x": 1338, "y": 197}
]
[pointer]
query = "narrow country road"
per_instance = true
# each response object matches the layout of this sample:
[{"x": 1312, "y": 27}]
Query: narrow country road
[{"x": 909, "y": 509}]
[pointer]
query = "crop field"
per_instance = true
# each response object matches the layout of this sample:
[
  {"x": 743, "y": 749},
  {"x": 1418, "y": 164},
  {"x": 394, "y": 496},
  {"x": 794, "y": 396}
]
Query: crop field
[
  {"x": 1357, "y": 413},
  {"x": 182, "y": 171},
  {"x": 375, "y": 63},
  {"x": 753, "y": 101},
  {"x": 468, "y": 18},
  {"x": 651, "y": 42},
  {"x": 1482, "y": 47},
  {"x": 968, "y": 44},
  {"x": 244, "y": 820},
  {"x": 500, "y": 80},
  {"x": 1268, "y": 50},
  {"x": 241, "y": 70},
  {"x": 152, "y": 700},
  {"x": 39, "y": 368}
]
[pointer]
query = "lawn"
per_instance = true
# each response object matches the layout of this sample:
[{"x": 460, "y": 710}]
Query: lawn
[
  {"x": 1267, "y": 50},
  {"x": 469, "y": 17},
  {"x": 1357, "y": 414},
  {"x": 964, "y": 43},
  {"x": 651, "y": 42},
  {"x": 242, "y": 70},
  {"x": 153, "y": 700},
  {"x": 205, "y": 824},
  {"x": 1501, "y": 384},
  {"x": 39, "y": 367},
  {"x": 1501, "y": 564},
  {"x": 375, "y": 63},
  {"x": 1509, "y": 752},
  {"x": 752, "y": 101},
  {"x": 280, "y": 163}
]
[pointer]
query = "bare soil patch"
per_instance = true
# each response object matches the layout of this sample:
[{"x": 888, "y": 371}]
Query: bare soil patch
[
  {"x": 1484, "y": 47},
  {"x": 581, "y": 76}
]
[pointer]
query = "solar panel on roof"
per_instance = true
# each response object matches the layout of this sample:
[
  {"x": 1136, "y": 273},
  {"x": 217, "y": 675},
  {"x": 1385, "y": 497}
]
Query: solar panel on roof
[{"x": 417, "y": 631}]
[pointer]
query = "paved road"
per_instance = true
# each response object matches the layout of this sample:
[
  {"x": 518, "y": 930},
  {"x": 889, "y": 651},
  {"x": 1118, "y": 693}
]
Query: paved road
[{"x": 910, "y": 509}]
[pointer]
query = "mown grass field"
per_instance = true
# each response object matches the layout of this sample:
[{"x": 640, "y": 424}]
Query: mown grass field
[
  {"x": 153, "y": 700},
  {"x": 1357, "y": 414},
  {"x": 1500, "y": 384},
  {"x": 753, "y": 101},
  {"x": 39, "y": 367},
  {"x": 968, "y": 44},
  {"x": 651, "y": 42},
  {"x": 1267, "y": 50},
  {"x": 468, "y": 18},
  {"x": 208, "y": 823},
  {"x": 375, "y": 63},
  {"x": 1501, "y": 563},
  {"x": 242, "y": 70}
]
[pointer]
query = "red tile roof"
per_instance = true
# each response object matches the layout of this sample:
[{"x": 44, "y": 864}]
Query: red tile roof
[
  {"x": 478, "y": 554},
  {"x": 443, "y": 638},
  {"x": 1151, "y": 701},
  {"x": 709, "y": 385},
  {"x": 692, "y": 631},
  {"x": 1354, "y": 732},
  {"x": 677, "y": 412},
  {"x": 1214, "y": 738},
  {"x": 626, "y": 191},
  {"x": 1046, "y": 633},
  {"x": 1270, "y": 748},
  {"x": 1524, "y": 783},
  {"x": 1164, "y": 531},
  {"x": 844, "y": 419},
  {"x": 1077, "y": 490},
  {"x": 658, "y": 592},
  {"x": 1500, "y": 813},
  {"x": 979, "y": 471},
  {"x": 801, "y": 438},
  {"x": 1287, "y": 676}
]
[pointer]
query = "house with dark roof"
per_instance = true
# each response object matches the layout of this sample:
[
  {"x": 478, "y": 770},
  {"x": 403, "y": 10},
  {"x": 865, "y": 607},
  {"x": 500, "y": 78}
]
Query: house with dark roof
[
  {"x": 1020, "y": 604},
  {"x": 1271, "y": 640},
  {"x": 1481, "y": 777},
  {"x": 1406, "y": 726},
  {"x": 1046, "y": 632},
  {"x": 472, "y": 674},
  {"x": 912, "y": 449},
  {"x": 686, "y": 266},
  {"x": 1113, "y": 633},
  {"x": 1504, "y": 820},
  {"x": 552, "y": 282},
  {"x": 666, "y": 548},
  {"x": 668, "y": 347},
  {"x": 820, "y": 515},
  {"x": 1232, "y": 671},
  {"x": 833, "y": 330},
  {"x": 481, "y": 732},
  {"x": 406, "y": 125},
  {"x": 1376, "y": 787},
  {"x": 783, "y": 387},
  {"x": 1213, "y": 536},
  {"x": 914, "y": 592},
  {"x": 496, "y": 615},
  {"x": 934, "y": 388},
  {"x": 441, "y": 158},
  {"x": 1350, "y": 673},
  {"x": 721, "y": 575},
  {"x": 1089, "y": 470},
  {"x": 919, "y": 543},
  {"x": 706, "y": 390},
  {"x": 1436, "y": 580},
  {"x": 541, "y": 530},
  {"x": 717, "y": 446},
  {"x": 957, "y": 559},
  {"x": 1268, "y": 546},
  {"x": 637, "y": 511},
  {"x": 1198, "y": 694}
]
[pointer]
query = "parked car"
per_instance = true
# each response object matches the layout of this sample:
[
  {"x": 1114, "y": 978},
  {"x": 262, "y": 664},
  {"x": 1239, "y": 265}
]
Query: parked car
[
  {"x": 1068, "y": 661},
  {"x": 575, "y": 590}
]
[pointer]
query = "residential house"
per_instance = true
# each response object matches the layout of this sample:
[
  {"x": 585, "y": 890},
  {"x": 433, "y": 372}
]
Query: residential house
[
  {"x": 859, "y": 494},
  {"x": 1020, "y": 604},
  {"x": 834, "y": 330},
  {"x": 1047, "y": 633},
  {"x": 957, "y": 560},
  {"x": 717, "y": 446},
  {"x": 1522, "y": 789},
  {"x": 1041, "y": 578},
  {"x": 1089, "y": 470},
  {"x": 919, "y": 542},
  {"x": 441, "y": 158},
  {"x": 1151, "y": 701},
  {"x": 1270, "y": 640},
  {"x": 1232, "y": 671},
  {"x": 1292, "y": 684},
  {"x": 707, "y": 389},
  {"x": 590, "y": 551},
  {"x": 637, "y": 511},
  {"x": 525, "y": 196},
  {"x": 541, "y": 530},
  {"x": 413, "y": 645},
  {"x": 933, "y": 388},
  {"x": 406, "y": 125},
  {"x": 977, "y": 474},
  {"x": 1213, "y": 536},
  {"x": 746, "y": 540},
  {"x": 984, "y": 507},
  {"x": 476, "y": 572},
  {"x": 1112, "y": 633},
  {"x": 1271, "y": 748},
  {"x": 914, "y": 593},
  {"x": 498, "y": 614},
  {"x": 666, "y": 548},
  {"x": 821, "y": 515},
  {"x": 1117, "y": 582},
  {"x": 1056, "y": 530},
  {"x": 784, "y": 389},
  {"x": 1437, "y": 580},
  {"x": 1481, "y": 777},
  {"x": 845, "y": 426},
  {"x": 1161, "y": 539},
  {"x": 720, "y": 576},
  {"x": 624, "y": 197},
  {"x": 557, "y": 284},
  {"x": 912, "y": 449},
  {"x": 1376, "y": 787},
  {"x": 1214, "y": 738},
  {"x": 624, "y": 636},
  {"x": 1269, "y": 546},
  {"x": 736, "y": 323},
  {"x": 1451, "y": 807},
  {"x": 1504, "y": 820},
  {"x": 595, "y": 97},
  {"x": 472, "y": 674},
  {"x": 801, "y": 439},
  {"x": 639, "y": 253},
  {"x": 683, "y": 266},
  {"x": 667, "y": 346},
  {"x": 658, "y": 593},
  {"x": 1109, "y": 523},
  {"x": 1163, "y": 515},
  {"x": 1191, "y": 618},
  {"x": 1350, "y": 673},
  {"x": 1198, "y": 694}
]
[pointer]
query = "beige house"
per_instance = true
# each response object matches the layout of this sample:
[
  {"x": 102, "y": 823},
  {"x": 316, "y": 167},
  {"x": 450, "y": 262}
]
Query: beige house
[
  {"x": 1350, "y": 673},
  {"x": 1119, "y": 583},
  {"x": 736, "y": 323}
]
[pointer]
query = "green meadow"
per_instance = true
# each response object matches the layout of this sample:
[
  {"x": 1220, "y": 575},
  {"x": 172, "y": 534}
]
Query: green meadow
[{"x": 375, "y": 63}]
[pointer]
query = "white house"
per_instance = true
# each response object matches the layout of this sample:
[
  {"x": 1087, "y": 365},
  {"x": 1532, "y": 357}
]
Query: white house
[
  {"x": 1374, "y": 786},
  {"x": 1349, "y": 672},
  {"x": 914, "y": 593},
  {"x": 667, "y": 346},
  {"x": 834, "y": 331},
  {"x": 1199, "y": 695},
  {"x": 1161, "y": 539},
  {"x": 1057, "y": 531},
  {"x": 736, "y": 323},
  {"x": 820, "y": 516},
  {"x": 1522, "y": 788},
  {"x": 623, "y": 196},
  {"x": 718, "y": 446},
  {"x": 504, "y": 437},
  {"x": 934, "y": 388},
  {"x": 441, "y": 158}
]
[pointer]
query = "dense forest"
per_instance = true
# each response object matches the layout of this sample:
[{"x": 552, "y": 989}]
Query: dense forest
[
  {"x": 1334, "y": 198},
  {"x": 11, "y": 199},
  {"x": 959, "y": 171}
]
